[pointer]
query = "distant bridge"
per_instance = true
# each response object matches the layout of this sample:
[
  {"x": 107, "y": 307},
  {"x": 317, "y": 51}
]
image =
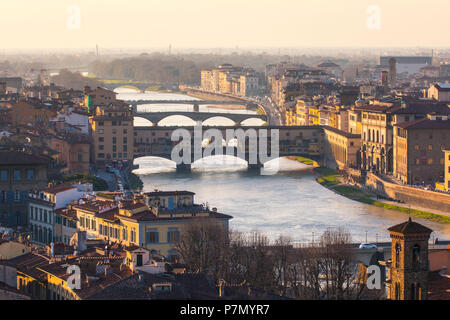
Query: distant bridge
[
  {"x": 140, "y": 86},
  {"x": 305, "y": 141},
  {"x": 193, "y": 102},
  {"x": 238, "y": 118}
]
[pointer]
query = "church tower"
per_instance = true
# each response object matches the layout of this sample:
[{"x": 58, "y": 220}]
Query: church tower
[{"x": 409, "y": 264}]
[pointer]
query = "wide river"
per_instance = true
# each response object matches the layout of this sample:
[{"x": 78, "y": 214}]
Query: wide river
[{"x": 289, "y": 203}]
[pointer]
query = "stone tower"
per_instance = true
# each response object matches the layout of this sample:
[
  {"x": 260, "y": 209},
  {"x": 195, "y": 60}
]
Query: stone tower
[{"x": 409, "y": 266}]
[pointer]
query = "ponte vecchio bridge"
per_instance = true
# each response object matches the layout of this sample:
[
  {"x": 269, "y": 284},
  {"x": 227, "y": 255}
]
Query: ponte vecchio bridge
[{"x": 305, "y": 141}]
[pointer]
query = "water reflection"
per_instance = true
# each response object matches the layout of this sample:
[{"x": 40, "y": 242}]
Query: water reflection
[{"x": 290, "y": 202}]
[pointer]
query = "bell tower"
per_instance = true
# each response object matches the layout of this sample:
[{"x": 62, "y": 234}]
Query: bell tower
[{"x": 409, "y": 264}]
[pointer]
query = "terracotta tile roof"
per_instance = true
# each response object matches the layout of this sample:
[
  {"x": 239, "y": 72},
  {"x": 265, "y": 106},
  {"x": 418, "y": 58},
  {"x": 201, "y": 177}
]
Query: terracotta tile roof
[
  {"x": 59, "y": 188},
  {"x": 28, "y": 264},
  {"x": 425, "y": 123},
  {"x": 21, "y": 158},
  {"x": 410, "y": 227}
]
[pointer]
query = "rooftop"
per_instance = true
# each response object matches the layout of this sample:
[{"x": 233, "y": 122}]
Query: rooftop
[
  {"x": 410, "y": 227},
  {"x": 59, "y": 188},
  {"x": 425, "y": 123},
  {"x": 21, "y": 158}
]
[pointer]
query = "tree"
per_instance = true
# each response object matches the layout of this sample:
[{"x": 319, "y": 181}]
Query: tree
[{"x": 203, "y": 245}]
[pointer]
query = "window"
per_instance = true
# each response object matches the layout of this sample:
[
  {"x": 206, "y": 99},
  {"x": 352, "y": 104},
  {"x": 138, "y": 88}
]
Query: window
[
  {"x": 125, "y": 131},
  {"x": 124, "y": 140},
  {"x": 133, "y": 235},
  {"x": 114, "y": 140},
  {"x": 101, "y": 155},
  {"x": 430, "y": 147},
  {"x": 125, "y": 148},
  {"x": 397, "y": 255},
  {"x": 30, "y": 174},
  {"x": 4, "y": 175},
  {"x": 173, "y": 235},
  {"x": 101, "y": 123},
  {"x": 125, "y": 233},
  {"x": 152, "y": 236},
  {"x": 114, "y": 131},
  {"x": 16, "y": 175},
  {"x": 416, "y": 255},
  {"x": 101, "y": 147},
  {"x": 101, "y": 139},
  {"x": 430, "y": 161},
  {"x": 17, "y": 195},
  {"x": 101, "y": 131},
  {"x": 114, "y": 148}
]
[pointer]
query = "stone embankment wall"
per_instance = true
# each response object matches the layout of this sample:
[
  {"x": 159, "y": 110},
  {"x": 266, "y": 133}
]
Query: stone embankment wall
[{"x": 414, "y": 196}]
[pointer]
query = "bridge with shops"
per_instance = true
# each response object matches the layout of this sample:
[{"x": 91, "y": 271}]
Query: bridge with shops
[{"x": 293, "y": 141}]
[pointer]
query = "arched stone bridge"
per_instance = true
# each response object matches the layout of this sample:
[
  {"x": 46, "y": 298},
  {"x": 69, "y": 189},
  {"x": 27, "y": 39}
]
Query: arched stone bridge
[
  {"x": 293, "y": 141},
  {"x": 238, "y": 118},
  {"x": 138, "y": 86}
]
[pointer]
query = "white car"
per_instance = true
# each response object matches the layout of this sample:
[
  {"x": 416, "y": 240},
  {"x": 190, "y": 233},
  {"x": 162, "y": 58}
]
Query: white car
[{"x": 367, "y": 246}]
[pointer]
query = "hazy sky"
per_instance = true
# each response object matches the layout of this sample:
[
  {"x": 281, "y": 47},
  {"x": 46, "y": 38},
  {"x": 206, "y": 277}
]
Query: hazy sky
[{"x": 217, "y": 23}]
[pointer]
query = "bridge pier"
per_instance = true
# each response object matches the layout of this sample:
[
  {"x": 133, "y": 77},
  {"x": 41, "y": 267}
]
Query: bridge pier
[
  {"x": 184, "y": 168},
  {"x": 255, "y": 167}
]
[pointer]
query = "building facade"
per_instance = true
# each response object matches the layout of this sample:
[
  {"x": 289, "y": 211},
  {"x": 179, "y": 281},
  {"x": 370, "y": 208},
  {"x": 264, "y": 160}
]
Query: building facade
[
  {"x": 43, "y": 206},
  {"x": 154, "y": 223},
  {"x": 418, "y": 149},
  {"x": 19, "y": 173},
  {"x": 112, "y": 134}
]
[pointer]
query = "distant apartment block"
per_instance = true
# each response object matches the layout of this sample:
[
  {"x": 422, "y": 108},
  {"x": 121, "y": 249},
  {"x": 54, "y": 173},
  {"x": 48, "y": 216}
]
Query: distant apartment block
[{"x": 229, "y": 79}]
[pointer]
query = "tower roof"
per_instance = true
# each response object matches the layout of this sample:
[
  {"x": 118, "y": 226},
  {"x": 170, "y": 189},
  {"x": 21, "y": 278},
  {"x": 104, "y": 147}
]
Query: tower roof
[{"x": 410, "y": 227}]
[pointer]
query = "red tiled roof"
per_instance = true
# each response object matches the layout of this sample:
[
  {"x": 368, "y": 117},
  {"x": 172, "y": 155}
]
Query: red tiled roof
[
  {"x": 59, "y": 188},
  {"x": 410, "y": 227},
  {"x": 21, "y": 158},
  {"x": 425, "y": 123}
]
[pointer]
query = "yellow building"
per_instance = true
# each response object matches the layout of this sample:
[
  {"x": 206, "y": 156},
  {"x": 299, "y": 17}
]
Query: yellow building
[
  {"x": 313, "y": 116},
  {"x": 342, "y": 148},
  {"x": 154, "y": 225},
  {"x": 112, "y": 133},
  {"x": 29, "y": 279},
  {"x": 302, "y": 113}
]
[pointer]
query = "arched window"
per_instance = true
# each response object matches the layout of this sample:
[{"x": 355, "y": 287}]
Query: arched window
[
  {"x": 397, "y": 291},
  {"x": 416, "y": 255},
  {"x": 397, "y": 254}
]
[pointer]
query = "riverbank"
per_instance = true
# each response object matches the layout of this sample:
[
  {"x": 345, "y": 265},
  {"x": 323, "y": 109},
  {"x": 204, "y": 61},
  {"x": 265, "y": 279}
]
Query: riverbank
[{"x": 332, "y": 180}]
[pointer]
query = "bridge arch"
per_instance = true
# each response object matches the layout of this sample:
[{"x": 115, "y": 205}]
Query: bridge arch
[
  {"x": 142, "y": 121},
  {"x": 175, "y": 119},
  {"x": 207, "y": 121},
  {"x": 243, "y": 122},
  {"x": 127, "y": 86}
]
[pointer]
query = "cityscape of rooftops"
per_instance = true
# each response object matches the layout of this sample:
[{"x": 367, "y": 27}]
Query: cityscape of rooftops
[{"x": 213, "y": 153}]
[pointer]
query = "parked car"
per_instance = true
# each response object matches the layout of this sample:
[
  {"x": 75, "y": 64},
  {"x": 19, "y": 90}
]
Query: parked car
[{"x": 367, "y": 246}]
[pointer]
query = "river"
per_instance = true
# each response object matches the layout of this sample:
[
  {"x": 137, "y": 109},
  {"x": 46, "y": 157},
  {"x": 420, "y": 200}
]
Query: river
[{"x": 289, "y": 203}]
